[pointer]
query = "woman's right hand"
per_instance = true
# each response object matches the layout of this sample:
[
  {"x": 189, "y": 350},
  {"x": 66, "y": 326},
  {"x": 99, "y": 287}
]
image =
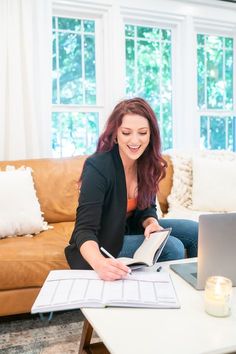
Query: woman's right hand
[
  {"x": 111, "y": 269},
  {"x": 106, "y": 268}
]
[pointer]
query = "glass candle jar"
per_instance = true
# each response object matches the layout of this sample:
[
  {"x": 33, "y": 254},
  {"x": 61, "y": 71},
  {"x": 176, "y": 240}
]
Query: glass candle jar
[{"x": 218, "y": 296}]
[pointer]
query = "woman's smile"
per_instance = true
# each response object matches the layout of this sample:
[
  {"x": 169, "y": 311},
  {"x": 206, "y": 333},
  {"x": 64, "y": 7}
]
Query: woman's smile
[{"x": 133, "y": 148}]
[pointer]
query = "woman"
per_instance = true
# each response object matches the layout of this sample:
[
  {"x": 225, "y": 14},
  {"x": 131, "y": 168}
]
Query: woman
[{"x": 117, "y": 199}]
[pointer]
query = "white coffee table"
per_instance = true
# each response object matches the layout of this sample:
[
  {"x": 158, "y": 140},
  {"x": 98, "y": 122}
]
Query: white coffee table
[{"x": 189, "y": 330}]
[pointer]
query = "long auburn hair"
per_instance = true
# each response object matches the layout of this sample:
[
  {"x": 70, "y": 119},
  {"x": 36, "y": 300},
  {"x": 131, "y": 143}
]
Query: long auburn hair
[{"x": 151, "y": 167}]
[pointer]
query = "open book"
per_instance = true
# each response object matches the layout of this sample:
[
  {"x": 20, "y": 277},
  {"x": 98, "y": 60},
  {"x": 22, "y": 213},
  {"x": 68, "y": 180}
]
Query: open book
[
  {"x": 72, "y": 289},
  {"x": 149, "y": 251}
]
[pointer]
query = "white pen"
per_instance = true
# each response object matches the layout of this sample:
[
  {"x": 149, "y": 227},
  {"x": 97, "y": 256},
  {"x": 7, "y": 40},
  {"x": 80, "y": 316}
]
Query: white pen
[
  {"x": 110, "y": 256},
  {"x": 106, "y": 253}
]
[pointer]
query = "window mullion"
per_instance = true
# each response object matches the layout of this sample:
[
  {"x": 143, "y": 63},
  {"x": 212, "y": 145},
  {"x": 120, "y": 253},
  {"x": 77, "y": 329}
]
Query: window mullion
[
  {"x": 136, "y": 60},
  {"x": 208, "y": 131},
  {"x": 57, "y": 61},
  {"x": 83, "y": 63},
  {"x": 224, "y": 53},
  {"x": 226, "y": 132},
  {"x": 205, "y": 75},
  {"x": 160, "y": 119}
]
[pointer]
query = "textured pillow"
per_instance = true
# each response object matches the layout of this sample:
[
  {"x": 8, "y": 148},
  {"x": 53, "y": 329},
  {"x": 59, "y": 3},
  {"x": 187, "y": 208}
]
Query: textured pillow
[
  {"x": 213, "y": 184},
  {"x": 19, "y": 207},
  {"x": 180, "y": 198},
  {"x": 181, "y": 191}
]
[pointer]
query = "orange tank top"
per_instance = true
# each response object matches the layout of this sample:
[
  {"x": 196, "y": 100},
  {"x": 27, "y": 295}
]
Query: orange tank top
[{"x": 132, "y": 204}]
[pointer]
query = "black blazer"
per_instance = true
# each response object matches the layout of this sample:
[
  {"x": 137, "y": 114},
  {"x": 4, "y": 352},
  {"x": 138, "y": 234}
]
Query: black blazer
[{"x": 101, "y": 213}]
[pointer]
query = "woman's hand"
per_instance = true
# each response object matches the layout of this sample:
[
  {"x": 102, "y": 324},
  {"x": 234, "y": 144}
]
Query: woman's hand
[
  {"x": 111, "y": 269},
  {"x": 106, "y": 268},
  {"x": 151, "y": 225}
]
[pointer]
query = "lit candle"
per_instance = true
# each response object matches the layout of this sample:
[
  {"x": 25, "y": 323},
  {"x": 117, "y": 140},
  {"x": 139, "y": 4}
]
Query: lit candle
[{"x": 218, "y": 296}]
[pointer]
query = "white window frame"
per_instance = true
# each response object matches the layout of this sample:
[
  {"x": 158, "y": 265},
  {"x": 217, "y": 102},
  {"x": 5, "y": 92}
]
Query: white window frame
[
  {"x": 224, "y": 29},
  {"x": 99, "y": 13},
  {"x": 184, "y": 17},
  {"x": 154, "y": 18}
]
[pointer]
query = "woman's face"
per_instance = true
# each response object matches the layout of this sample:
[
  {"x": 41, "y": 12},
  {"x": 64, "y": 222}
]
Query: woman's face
[{"x": 133, "y": 136}]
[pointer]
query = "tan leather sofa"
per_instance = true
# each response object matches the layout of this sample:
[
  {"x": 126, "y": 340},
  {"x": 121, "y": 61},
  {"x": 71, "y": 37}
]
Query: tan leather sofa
[{"x": 26, "y": 261}]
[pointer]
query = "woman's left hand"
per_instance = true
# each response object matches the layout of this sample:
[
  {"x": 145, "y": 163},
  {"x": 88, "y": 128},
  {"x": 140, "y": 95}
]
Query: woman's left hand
[{"x": 151, "y": 225}]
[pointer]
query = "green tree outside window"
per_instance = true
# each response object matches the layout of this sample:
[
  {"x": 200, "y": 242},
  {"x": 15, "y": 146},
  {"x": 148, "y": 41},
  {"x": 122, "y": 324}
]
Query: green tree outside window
[
  {"x": 148, "y": 73},
  {"x": 73, "y": 85},
  {"x": 215, "y": 91}
]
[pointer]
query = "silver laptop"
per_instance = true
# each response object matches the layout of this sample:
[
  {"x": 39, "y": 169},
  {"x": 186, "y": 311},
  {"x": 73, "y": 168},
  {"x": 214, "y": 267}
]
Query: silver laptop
[{"x": 216, "y": 251}]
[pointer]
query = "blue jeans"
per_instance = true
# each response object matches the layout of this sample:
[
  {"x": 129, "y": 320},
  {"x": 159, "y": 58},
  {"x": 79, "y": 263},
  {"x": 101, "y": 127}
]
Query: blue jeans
[{"x": 184, "y": 236}]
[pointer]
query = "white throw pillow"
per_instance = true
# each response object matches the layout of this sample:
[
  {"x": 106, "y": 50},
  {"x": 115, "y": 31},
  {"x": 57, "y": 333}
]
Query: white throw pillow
[
  {"x": 213, "y": 184},
  {"x": 20, "y": 212}
]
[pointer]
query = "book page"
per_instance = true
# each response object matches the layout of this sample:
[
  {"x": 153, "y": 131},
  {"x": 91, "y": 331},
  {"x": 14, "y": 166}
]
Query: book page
[
  {"x": 149, "y": 251},
  {"x": 146, "y": 252}
]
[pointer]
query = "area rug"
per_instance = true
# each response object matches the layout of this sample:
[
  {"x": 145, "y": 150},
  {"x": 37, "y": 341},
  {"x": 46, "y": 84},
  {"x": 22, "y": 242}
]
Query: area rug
[{"x": 30, "y": 335}]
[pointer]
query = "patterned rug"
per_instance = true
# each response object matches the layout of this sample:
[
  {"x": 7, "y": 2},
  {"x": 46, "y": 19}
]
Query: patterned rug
[{"x": 28, "y": 334}]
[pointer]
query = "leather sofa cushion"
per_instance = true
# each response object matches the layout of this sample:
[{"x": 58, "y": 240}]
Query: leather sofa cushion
[
  {"x": 26, "y": 261},
  {"x": 57, "y": 188},
  {"x": 17, "y": 301},
  {"x": 56, "y": 184}
]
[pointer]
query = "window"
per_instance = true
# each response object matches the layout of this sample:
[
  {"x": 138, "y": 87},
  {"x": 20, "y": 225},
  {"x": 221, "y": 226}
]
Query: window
[
  {"x": 148, "y": 72},
  {"x": 215, "y": 91},
  {"x": 75, "y": 117},
  {"x": 178, "y": 56}
]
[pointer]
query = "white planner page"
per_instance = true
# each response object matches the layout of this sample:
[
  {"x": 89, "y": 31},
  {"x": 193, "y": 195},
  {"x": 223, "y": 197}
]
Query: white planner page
[{"x": 70, "y": 289}]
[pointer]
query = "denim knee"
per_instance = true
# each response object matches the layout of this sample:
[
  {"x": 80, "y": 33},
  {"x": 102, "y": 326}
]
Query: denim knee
[
  {"x": 186, "y": 231},
  {"x": 130, "y": 245},
  {"x": 174, "y": 249}
]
